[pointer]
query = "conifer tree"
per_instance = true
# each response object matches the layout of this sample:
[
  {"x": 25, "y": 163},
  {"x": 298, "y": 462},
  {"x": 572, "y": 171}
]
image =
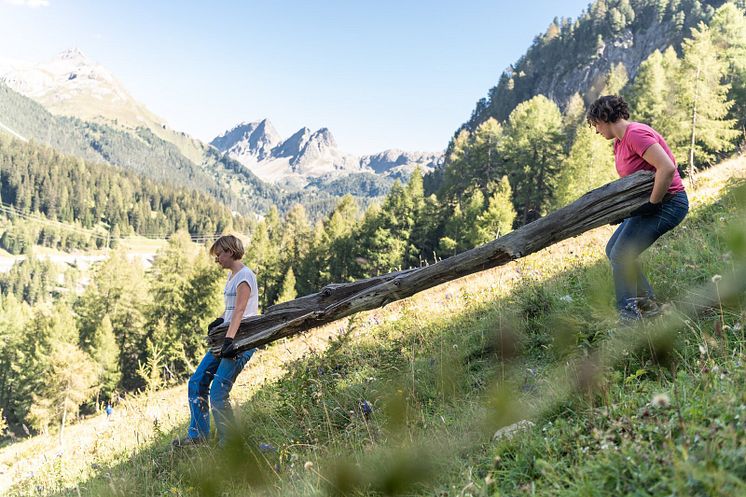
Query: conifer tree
[
  {"x": 573, "y": 117},
  {"x": 729, "y": 37},
  {"x": 475, "y": 159},
  {"x": 497, "y": 219},
  {"x": 339, "y": 241},
  {"x": 105, "y": 352},
  {"x": 15, "y": 316},
  {"x": 68, "y": 382},
  {"x": 119, "y": 289},
  {"x": 287, "y": 291},
  {"x": 534, "y": 145},
  {"x": 203, "y": 302},
  {"x": 589, "y": 165},
  {"x": 473, "y": 208},
  {"x": 703, "y": 96}
]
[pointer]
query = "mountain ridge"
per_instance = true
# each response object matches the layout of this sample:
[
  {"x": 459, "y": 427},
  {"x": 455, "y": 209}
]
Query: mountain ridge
[{"x": 308, "y": 156}]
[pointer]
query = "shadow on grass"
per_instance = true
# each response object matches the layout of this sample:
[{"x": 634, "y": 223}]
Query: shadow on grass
[{"x": 406, "y": 409}]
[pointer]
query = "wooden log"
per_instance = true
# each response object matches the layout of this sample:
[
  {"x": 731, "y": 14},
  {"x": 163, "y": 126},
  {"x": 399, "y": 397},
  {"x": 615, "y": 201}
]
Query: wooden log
[{"x": 601, "y": 206}]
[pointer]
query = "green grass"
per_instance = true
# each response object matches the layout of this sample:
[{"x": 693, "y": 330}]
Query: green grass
[{"x": 618, "y": 411}]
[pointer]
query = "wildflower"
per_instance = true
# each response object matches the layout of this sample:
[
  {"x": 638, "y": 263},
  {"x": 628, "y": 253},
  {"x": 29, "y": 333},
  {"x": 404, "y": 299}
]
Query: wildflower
[
  {"x": 308, "y": 466},
  {"x": 660, "y": 401},
  {"x": 489, "y": 480},
  {"x": 737, "y": 327},
  {"x": 716, "y": 278}
]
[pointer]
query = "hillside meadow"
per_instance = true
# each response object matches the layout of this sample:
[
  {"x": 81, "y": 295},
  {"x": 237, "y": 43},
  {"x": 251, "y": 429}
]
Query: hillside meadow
[{"x": 514, "y": 381}]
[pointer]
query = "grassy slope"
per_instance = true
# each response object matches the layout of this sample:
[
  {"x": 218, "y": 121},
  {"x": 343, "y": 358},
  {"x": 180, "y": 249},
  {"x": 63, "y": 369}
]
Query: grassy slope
[{"x": 444, "y": 369}]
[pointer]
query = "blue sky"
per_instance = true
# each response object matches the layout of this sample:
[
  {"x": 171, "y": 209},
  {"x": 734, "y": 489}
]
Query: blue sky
[{"x": 386, "y": 74}]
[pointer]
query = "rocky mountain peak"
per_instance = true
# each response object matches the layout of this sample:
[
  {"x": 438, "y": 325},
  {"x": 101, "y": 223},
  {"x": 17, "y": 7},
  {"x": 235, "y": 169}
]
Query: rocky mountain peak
[
  {"x": 306, "y": 155},
  {"x": 293, "y": 145},
  {"x": 249, "y": 141}
]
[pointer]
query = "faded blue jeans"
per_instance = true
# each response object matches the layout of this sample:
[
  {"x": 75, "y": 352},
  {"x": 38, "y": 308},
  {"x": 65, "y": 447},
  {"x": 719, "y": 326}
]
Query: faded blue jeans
[
  {"x": 631, "y": 239},
  {"x": 221, "y": 373}
]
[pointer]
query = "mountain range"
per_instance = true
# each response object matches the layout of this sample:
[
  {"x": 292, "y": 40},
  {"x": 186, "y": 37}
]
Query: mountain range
[
  {"x": 71, "y": 84},
  {"x": 309, "y": 155}
]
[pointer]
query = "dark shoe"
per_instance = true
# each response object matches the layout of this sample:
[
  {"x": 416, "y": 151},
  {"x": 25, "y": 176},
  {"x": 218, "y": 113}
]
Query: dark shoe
[
  {"x": 648, "y": 307},
  {"x": 187, "y": 441},
  {"x": 630, "y": 314}
]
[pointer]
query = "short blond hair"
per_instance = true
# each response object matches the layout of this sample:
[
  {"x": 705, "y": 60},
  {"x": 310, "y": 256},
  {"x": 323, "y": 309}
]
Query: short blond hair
[{"x": 228, "y": 243}]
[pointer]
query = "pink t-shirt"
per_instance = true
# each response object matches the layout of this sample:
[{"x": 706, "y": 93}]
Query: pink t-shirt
[{"x": 629, "y": 150}]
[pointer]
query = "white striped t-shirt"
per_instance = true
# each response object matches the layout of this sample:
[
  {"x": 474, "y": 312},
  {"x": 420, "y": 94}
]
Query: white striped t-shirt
[{"x": 229, "y": 294}]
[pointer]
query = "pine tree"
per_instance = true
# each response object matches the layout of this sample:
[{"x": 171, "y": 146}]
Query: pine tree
[
  {"x": 287, "y": 291},
  {"x": 119, "y": 289},
  {"x": 534, "y": 149},
  {"x": 473, "y": 208},
  {"x": 475, "y": 160},
  {"x": 15, "y": 317},
  {"x": 729, "y": 37},
  {"x": 498, "y": 218},
  {"x": 589, "y": 165},
  {"x": 573, "y": 117},
  {"x": 616, "y": 79},
  {"x": 650, "y": 91},
  {"x": 105, "y": 352},
  {"x": 69, "y": 381},
  {"x": 704, "y": 97}
]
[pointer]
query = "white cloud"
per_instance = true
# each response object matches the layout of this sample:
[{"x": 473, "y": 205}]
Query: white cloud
[{"x": 29, "y": 3}]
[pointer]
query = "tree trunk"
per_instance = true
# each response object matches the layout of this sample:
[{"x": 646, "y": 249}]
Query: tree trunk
[
  {"x": 691, "y": 169},
  {"x": 64, "y": 418},
  {"x": 601, "y": 206}
]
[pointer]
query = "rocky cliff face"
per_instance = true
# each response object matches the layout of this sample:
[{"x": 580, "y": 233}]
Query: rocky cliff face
[{"x": 629, "y": 49}]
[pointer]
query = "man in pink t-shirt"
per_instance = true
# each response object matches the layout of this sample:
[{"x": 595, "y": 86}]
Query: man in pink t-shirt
[{"x": 638, "y": 147}]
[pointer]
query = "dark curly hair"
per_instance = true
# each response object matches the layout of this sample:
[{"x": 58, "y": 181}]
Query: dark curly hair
[{"x": 607, "y": 109}]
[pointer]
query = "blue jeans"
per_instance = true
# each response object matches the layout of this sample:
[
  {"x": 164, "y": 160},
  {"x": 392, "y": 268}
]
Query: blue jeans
[
  {"x": 631, "y": 239},
  {"x": 221, "y": 373}
]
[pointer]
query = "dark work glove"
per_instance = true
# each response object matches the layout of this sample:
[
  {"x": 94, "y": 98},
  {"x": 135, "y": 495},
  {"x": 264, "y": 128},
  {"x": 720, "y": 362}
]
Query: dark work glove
[
  {"x": 215, "y": 323},
  {"x": 647, "y": 209},
  {"x": 229, "y": 350}
]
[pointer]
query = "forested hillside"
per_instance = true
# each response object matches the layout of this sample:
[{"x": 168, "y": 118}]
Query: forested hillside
[{"x": 37, "y": 180}]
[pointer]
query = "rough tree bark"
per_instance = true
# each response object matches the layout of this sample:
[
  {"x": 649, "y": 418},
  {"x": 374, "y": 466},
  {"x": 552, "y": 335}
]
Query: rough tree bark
[{"x": 601, "y": 206}]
